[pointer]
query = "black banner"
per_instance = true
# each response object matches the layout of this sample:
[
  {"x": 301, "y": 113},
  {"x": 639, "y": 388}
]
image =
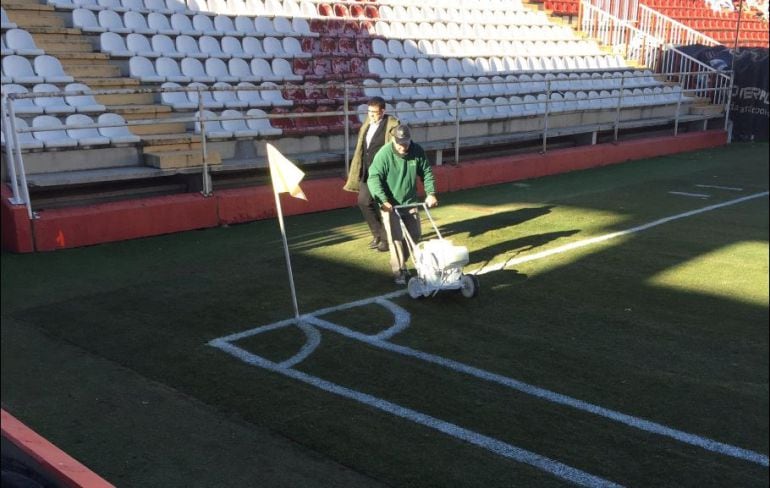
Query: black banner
[{"x": 749, "y": 111}]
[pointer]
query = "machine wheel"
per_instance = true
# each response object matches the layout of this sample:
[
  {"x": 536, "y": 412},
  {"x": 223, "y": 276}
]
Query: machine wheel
[
  {"x": 414, "y": 287},
  {"x": 470, "y": 286}
]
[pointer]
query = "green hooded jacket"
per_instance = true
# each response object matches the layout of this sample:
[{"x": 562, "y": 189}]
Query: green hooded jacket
[
  {"x": 356, "y": 163},
  {"x": 393, "y": 178}
]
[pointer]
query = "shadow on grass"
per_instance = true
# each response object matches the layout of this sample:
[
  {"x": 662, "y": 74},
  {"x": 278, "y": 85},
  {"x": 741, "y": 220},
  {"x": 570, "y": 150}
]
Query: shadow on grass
[{"x": 477, "y": 226}]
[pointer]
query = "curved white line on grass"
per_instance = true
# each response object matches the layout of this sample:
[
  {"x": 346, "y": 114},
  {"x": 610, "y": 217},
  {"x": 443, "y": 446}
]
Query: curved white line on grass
[
  {"x": 313, "y": 341},
  {"x": 606, "y": 237},
  {"x": 551, "y": 396},
  {"x": 498, "y": 447},
  {"x": 401, "y": 319},
  {"x": 224, "y": 343}
]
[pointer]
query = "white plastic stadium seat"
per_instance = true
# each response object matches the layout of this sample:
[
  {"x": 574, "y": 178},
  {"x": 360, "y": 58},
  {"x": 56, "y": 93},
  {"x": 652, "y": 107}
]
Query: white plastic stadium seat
[
  {"x": 261, "y": 125},
  {"x": 188, "y": 47},
  {"x": 194, "y": 69},
  {"x": 55, "y": 138},
  {"x": 162, "y": 45},
  {"x": 169, "y": 69},
  {"x": 113, "y": 44},
  {"x": 111, "y": 21},
  {"x": 202, "y": 95},
  {"x": 52, "y": 104},
  {"x": 83, "y": 103},
  {"x": 214, "y": 127},
  {"x": 22, "y": 106},
  {"x": 178, "y": 100},
  {"x": 142, "y": 68},
  {"x": 21, "y": 42},
  {"x": 139, "y": 45},
  {"x": 86, "y": 21},
  {"x": 183, "y": 24},
  {"x": 252, "y": 97},
  {"x": 26, "y": 139},
  {"x": 224, "y": 94},
  {"x": 85, "y": 136},
  {"x": 19, "y": 70},
  {"x": 118, "y": 131},
  {"x": 233, "y": 121}
]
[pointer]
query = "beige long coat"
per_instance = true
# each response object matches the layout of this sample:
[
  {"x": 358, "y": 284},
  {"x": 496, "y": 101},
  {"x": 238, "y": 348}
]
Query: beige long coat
[{"x": 356, "y": 163}]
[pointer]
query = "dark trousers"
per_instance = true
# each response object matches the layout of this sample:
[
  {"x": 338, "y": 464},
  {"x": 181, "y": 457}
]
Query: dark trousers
[{"x": 371, "y": 212}]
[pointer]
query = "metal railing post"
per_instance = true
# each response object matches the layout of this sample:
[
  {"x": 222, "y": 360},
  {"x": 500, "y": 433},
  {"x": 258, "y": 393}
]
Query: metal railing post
[
  {"x": 729, "y": 100},
  {"x": 545, "y": 116},
  {"x": 345, "y": 108},
  {"x": 457, "y": 123},
  {"x": 676, "y": 114},
  {"x": 11, "y": 161},
  {"x": 617, "y": 109},
  {"x": 20, "y": 161},
  {"x": 206, "y": 191}
]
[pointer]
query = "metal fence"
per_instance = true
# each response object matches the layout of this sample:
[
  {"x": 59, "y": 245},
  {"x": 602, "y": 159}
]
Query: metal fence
[{"x": 549, "y": 102}]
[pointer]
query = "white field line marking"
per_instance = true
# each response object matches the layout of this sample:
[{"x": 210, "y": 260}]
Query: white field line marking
[
  {"x": 717, "y": 187},
  {"x": 631, "y": 421},
  {"x": 685, "y": 194},
  {"x": 606, "y": 237},
  {"x": 498, "y": 447},
  {"x": 224, "y": 343}
]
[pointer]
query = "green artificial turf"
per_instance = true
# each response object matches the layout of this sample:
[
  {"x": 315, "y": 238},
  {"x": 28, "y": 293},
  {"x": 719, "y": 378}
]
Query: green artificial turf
[{"x": 105, "y": 349}]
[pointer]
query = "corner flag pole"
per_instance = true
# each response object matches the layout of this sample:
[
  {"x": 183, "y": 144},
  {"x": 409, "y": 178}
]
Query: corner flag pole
[
  {"x": 285, "y": 177},
  {"x": 286, "y": 254}
]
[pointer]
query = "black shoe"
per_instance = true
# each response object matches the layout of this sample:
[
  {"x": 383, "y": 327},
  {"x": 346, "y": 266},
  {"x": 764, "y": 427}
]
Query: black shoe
[
  {"x": 382, "y": 246},
  {"x": 374, "y": 243}
]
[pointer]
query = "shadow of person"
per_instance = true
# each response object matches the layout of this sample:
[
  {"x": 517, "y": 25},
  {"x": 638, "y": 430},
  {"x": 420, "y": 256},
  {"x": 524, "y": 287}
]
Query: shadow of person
[
  {"x": 511, "y": 249},
  {"x": 479, "y": 225}
]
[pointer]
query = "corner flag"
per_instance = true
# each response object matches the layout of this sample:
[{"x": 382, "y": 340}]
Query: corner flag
[
  {"x": 285, "y": 175},
  {"x": 286, "y": 178}
]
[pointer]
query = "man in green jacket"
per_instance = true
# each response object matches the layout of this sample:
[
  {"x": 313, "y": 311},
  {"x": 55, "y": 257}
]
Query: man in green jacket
[
  {"x": 393, "y": 181},
  {"x": 375, "y": 132}
]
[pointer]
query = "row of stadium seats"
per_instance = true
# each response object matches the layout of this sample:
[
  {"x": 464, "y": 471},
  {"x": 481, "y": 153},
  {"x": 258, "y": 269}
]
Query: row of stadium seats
[
  {"x": 422, "y": 67},
  {"x": 223, "y": 95},
  {"x": 210, "y": 70},
  {"x": 57, "y": 102},
  {"x": 444, "y": 88},
  {"x": 178, "y": 23},
  {"x": 453, "y": 48},
  {"x": 511, "y": 15},
  {"x": 43, "y": 69},
  {"x": 267, "y": 8},
  {"x": 204, "y": 47},
  {"x": 233, "y": 123},
  {"x": 422, "y": 112},
  {"x": 111, "y": 130},
  {"x": 455, "y": 31}
]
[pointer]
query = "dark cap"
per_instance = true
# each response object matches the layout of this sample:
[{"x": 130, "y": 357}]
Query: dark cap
[{"x": 402, "y": 135}]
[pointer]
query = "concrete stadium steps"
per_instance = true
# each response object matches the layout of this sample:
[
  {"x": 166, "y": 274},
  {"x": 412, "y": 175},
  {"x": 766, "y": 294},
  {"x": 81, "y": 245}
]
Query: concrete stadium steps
[
  {"x": 29, "y": 13},
  {"x": 57, "y": 41},
  {"x": 87, "y": 65},
  {"x": 171, "y": 151},
  {"x": 150, "y": 111}
]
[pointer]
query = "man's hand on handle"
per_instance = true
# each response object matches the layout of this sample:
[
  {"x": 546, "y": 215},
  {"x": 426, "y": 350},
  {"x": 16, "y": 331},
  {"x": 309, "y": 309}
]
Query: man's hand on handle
[
  {"x": 431, "y": 201},
  {"x": 386, "y": 207}
]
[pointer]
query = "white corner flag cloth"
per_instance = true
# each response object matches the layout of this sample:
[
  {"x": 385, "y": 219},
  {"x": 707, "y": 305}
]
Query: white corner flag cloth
[{"x": 285, "y": 175}]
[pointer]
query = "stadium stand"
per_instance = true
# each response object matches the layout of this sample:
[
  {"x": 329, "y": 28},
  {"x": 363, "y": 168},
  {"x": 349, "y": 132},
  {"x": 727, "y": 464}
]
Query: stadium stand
[{"x": 164, "y": 74}]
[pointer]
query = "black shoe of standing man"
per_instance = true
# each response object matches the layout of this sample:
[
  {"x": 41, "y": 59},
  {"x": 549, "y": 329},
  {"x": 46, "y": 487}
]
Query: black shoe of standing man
[
  {"x": 382, "y": 246},
  {"x": 374, "y": 243}
]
